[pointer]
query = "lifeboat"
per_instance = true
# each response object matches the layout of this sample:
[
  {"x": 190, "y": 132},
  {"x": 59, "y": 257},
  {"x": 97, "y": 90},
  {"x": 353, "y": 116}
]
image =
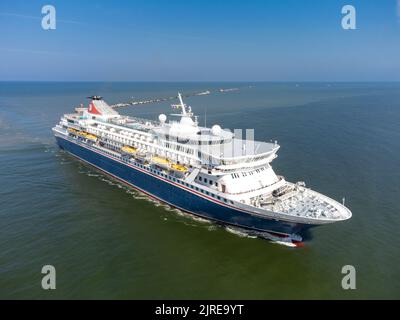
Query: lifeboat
[
  {"x": 179, "y": 167},
  {"x": 72, "y": 130},
  {"x": 129, "y": 149},
  {"x": 159, "y": 160},
  {"x": 90, "y": 136},
  {"x": 82, "y": 134}
]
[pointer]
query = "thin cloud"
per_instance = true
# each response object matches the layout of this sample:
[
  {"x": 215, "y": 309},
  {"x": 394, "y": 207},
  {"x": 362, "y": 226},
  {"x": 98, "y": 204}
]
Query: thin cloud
[
  {"x": 39, "y": 17},
  {"x": 155, "y": 34},
  {"x": 18, "y": 15},
  {"x": 40, "y": 52}
]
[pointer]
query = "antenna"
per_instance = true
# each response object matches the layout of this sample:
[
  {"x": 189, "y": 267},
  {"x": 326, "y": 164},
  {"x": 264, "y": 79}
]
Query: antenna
[{"x": 182, "y": 104}]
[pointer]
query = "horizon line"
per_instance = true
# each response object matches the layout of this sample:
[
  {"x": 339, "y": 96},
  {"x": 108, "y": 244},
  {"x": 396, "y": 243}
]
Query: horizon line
[{"x": 206, "y": 81}]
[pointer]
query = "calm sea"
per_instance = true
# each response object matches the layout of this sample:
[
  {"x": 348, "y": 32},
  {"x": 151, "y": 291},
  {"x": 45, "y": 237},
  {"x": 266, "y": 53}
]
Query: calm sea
[{"x": 107, "y": 241}]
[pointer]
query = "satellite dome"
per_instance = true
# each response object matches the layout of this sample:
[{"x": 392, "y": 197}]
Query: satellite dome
[
  {"x": 216, "y": 130},
  {"x": 162, "y": 117}
]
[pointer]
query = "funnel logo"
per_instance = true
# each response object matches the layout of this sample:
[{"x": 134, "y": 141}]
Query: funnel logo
[{"x": 93, "y": 109}]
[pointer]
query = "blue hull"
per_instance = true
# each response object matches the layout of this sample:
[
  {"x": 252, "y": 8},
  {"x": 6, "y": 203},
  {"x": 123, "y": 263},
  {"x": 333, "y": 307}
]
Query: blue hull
[{"x": 177, "y": 195}]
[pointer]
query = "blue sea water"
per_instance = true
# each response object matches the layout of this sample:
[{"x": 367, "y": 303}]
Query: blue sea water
[{"x": 107, "y": 241}]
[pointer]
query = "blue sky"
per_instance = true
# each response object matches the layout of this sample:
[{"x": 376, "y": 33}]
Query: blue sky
[{"x": 187, "y": 40}]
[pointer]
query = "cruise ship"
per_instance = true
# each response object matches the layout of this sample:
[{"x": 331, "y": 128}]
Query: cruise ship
[{"x": 206, "y": 172}]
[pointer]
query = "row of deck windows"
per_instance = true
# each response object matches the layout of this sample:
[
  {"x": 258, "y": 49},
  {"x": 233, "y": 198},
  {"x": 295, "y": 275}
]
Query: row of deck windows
[
  {"x": 126, "y": 141},
  {"x": 209, "y": 181},
  {"x": 179, "y": 148},
  {"x": 250, "y": 173},
  {"x": 130, "y": 141}
]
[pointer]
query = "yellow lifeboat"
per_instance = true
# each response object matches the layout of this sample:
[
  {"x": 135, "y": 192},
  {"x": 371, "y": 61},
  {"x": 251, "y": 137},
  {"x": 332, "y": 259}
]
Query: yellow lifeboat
[
  {"x": 160, "y": 160},
  {"x": 82, "y": 134},
  {"x": 179, "y": 167},
  {"x": 91, "y": 136},
  {"x": 129, "y": 149}
]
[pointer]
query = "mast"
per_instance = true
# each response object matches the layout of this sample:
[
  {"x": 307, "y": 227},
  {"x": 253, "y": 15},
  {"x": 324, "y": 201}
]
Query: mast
[
  {"x": 183, "y": 106},
  {"x": 185, "y": 113}
]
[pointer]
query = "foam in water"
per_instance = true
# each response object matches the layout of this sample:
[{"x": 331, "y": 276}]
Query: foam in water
[{"x": 240, "y": 232}]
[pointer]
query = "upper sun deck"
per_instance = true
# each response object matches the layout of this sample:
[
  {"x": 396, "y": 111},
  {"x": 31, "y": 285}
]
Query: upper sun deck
[
  {"x": 197, "y": 136},
  {"x": 134, "y": 123}
]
